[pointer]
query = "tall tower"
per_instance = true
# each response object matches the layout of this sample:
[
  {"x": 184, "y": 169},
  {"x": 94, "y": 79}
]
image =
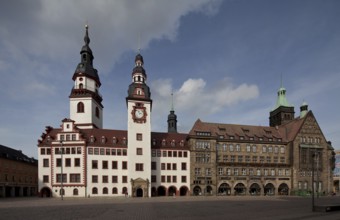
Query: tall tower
[
  {"x": 283, "y": 112},
  {"x": 172, "y": 118},
  {"x": 86, "y": 107},
  {"x": 139, "y": 106}
]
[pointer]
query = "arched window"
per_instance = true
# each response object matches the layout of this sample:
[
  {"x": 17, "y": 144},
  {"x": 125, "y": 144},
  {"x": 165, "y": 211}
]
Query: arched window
[
  {"x": 75, "y": 192},
  {"x": 94, "y": 190},
  {"x": 97, "y": 112},
  {"x": 114, "y": 190},
  {"x": 80, "y": 107},
  {"x": 105, "y": 190},
  {"x": 125, "y": 191},
  {"x": 81, "y": 86}
]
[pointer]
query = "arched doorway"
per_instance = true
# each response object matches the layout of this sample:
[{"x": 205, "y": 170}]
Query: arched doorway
[
  {"x": 139, "y": 192},
  {"x": 197, "y": 191},
  {"x": 183, "y": 191},
  {"x": 269, "y": 190},
  {"x": 45, "y": 192},
  {"x": 161, "y": 191},
  {"x": 240, "y": 189},
  {"x": 255, "y": 189},
  {"x": 283, "y": 189},
  {"x": 224, "y": 189},
  {"x": 153, "y": 192},
  {"x": 208, "y": 190},
  {"x": 172, "y": 191}
]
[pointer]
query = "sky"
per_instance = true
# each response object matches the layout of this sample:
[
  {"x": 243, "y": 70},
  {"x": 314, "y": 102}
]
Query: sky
[{"x": 224, "y": 61}]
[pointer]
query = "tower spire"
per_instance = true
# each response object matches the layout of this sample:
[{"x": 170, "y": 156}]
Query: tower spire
[{"x": 172, "y": 117}]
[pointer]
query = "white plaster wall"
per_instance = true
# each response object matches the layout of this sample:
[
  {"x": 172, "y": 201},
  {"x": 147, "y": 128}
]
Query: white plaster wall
[{"x": 109, "y": 172}]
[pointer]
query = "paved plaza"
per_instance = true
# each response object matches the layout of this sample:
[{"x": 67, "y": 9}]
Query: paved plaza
[{"x": 167, "y": 208}]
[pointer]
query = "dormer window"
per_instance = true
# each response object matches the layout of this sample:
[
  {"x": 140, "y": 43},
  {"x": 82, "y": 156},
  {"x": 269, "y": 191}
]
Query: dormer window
[
  {"x": 173, "y": 143},
  {"x": 103, "y": 140},
  {"x": 181, "y": 143},
  {"x": 114, "y": 140},
  {"x": 163, "y": 142},
  {"x": 124, "y": 141},
  {"x": 154, "y": 142},
  {"x": 92, "y": 139}
]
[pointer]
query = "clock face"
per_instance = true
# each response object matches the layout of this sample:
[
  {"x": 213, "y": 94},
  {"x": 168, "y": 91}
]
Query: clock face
[{"x": 139, "y": 113}]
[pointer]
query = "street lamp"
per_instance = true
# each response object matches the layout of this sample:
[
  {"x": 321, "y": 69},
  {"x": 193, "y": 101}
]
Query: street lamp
[
  {"x": 315, "y": 154},
  {"x": 61, "y": 167}
]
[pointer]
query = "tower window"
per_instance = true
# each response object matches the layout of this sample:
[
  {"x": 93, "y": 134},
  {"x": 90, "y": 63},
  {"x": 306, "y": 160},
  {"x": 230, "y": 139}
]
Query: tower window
[
  {"x": 84, "y": 57},
  {"x": 81, "y": 86},
  {"x": 97, "y": 112},
  {"x": 80, "y": 107}
]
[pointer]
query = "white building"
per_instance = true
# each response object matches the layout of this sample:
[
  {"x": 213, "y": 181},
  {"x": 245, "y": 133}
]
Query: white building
[{"x": 81, "y": 159}]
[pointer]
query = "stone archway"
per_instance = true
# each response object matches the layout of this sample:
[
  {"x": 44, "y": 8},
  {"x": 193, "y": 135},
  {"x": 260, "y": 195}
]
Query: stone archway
[
  {"x": 45, "y": 192},
  {"x": 283, "y": 189},
  {"x": 224, "y": 189},
  {"x": 172, "y": 191},
  {"x": 161, "y": 191},
  {"x": 139, "y": 192},
  {"x": 255, "y": 189},
  {"x": 183, "y": 191},
  {"x": 240, "y": 189},
  {"x": 197, "y": 191},
  {"x": 269, "y": 189}
]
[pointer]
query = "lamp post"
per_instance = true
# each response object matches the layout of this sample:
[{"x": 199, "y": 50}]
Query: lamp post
[
  {"x": 313, "y": 155},
  {"x": 61, "y": 167}
]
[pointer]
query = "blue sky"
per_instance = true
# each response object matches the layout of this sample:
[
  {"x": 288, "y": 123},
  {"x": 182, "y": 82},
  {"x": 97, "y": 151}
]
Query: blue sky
[{"x": 223, "y": 60}]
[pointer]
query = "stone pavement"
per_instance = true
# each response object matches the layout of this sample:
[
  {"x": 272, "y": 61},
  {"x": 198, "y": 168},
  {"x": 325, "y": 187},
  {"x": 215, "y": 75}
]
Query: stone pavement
[{"x": 236, "y": 207}]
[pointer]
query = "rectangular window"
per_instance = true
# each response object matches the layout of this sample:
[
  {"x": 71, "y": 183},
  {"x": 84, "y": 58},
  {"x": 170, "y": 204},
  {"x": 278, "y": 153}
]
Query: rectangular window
[
  {"x": 164, "y": 153},
  {"x": 58, "y": 162},
  {"x": 163, "y": 179},
  {"x": 94, "y": 164},
  {"x": 168, "y": 179},
  {"x": 220, "y": 171},
  {"x": 153, "y": 153},
  {"x": 125, "y": 179},
  {"x": 163, "y": 166},
  {"x": 73, "y": 150},
  {"x": 174, "y": 166},
  {"x": 153, "y": 178},
  {"x": 94, "y": 179},
  {"x": 73, "y": 137},
  {"x": 168, "y": 166},
  {"x": 139, "y": 167},
  {"x": 139, "y": 137},
  {"x": 75, "y": 178},
  {"x": 139, "y": 151},
  {"x": 169, "y": 153},
  {"x": 102, "y": 151},
  {"x": 124, "y": 152},
  {"x": 48, "y": 151},
  {"x": 105, "y": 164},
  {"x": 42, "y": 151},
  {"x": 184, "y": 166},
  {"x": 96, "y": 151},
  {"x": 46, "y": 179},
  {"x": 184, "y": 179},
  {"x": 185, "y": 154},
  {"x": 68, "y": 162},
  {"x": 174, "y": 179},
  {"x": 77, "y": 162},
  {"x": 153, "y": 165},
  {"x": 46, "y": 163},
  {"x": 105, "y": 179},
  {"x": 180, "y": 153},
  {"x": 114, "y": 179},
  {"x": 114, "y": 165},
  {"x": 90, "y": 151},
  {"x": 124, "y": 165},
  {"x": 59, "y": 178},
  {"x": 175, "y": 154}
]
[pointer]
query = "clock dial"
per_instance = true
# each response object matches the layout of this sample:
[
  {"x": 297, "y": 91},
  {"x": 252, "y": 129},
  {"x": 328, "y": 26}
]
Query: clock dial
[{"x": 139, "y": 113}]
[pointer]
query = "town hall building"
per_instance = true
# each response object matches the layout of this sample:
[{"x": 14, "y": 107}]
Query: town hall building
[{"x": 83, "y": 159}]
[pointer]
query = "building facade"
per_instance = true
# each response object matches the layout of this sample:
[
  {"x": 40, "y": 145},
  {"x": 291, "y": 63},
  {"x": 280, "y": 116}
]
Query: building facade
[
  {"x": 280, "y": 159},
  {"x": 18, "y": 174},
  {"x": 81, "y": 159}
]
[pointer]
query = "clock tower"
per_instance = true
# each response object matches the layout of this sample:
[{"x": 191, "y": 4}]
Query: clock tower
[{"x": 139, "y": 106}]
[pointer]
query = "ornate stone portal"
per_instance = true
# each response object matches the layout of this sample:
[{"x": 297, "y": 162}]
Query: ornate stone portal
[{"x": 140, "y": 187}]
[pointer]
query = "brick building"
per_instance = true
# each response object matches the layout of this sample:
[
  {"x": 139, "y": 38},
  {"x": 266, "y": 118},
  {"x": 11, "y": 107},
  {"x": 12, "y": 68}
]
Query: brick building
[{"x": 18, "y": 173}]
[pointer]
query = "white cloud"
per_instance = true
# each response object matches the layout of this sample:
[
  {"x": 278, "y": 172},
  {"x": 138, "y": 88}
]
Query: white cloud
[{"x": 196, "y": 98}]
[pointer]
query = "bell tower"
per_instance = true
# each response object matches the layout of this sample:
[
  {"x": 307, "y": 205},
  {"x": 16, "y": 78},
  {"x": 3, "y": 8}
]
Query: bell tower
[
  {"x": 86, "y": 107},
  {"x": 172, "y": 118},
  {"x": 283, "y": 112},
  {"x": 139, "y": 106}
]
